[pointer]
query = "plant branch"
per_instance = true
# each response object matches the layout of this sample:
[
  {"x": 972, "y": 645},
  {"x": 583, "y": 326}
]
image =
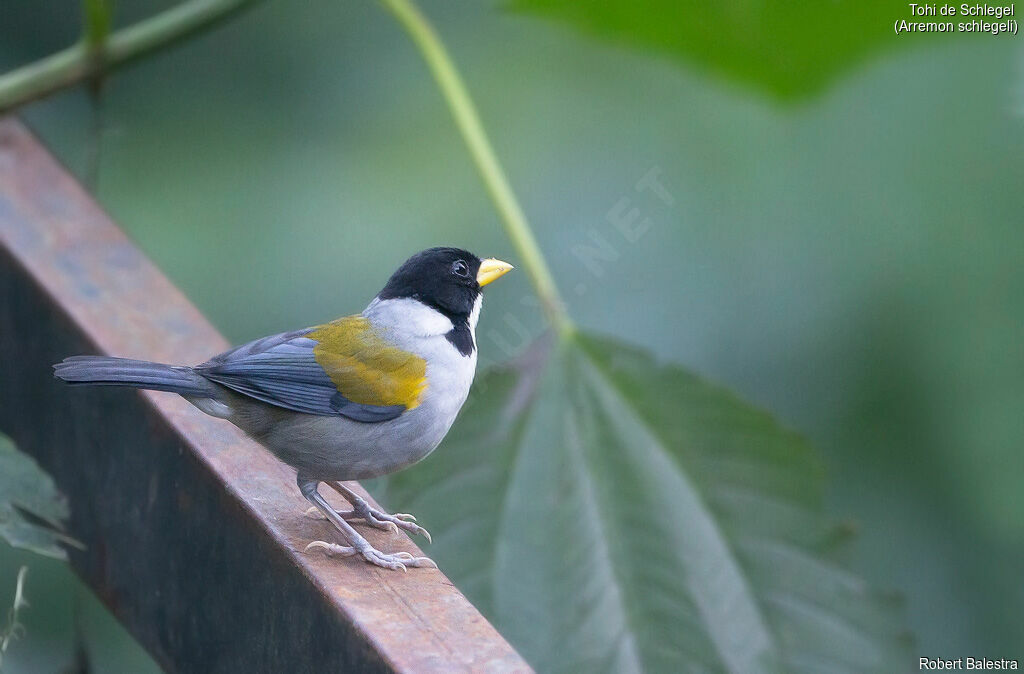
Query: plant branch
[
  {"x": 14, "y": 629},
  {"x": 468, "y": 122},
  {"x": 97, "y": 17},
  {"x": 84, "y": 61}
]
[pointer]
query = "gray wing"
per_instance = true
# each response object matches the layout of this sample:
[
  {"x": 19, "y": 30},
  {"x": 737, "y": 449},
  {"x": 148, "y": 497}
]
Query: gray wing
[{"x": 280, "y": 370}]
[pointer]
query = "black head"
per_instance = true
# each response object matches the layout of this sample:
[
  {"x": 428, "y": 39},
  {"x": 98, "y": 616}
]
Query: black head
[{"x": 443, "y": 278}]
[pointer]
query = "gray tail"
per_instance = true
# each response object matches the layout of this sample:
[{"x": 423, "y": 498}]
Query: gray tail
[{"x": 109, "y": 371}]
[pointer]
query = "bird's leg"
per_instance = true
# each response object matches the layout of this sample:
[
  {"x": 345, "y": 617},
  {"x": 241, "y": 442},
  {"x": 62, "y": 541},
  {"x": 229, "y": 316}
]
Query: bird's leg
[
  {"x": 357, "y": 544},
  {"x": 361, "y": 510},
  {"x": 376, "y": 518}
]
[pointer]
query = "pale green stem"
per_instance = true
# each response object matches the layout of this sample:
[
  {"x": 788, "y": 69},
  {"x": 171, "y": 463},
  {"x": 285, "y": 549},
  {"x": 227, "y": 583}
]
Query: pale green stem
[
  {"x": 468, "y": 121},
  {"x": 81, "y": 62},
  {"x": 97, "y": 16}
]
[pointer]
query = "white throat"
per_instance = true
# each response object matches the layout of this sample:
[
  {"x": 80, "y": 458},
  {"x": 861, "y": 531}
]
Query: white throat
[
  {"x": 474, "y": 315},
  {"x": 412, "y": 315},
  {"x": 407, "y": 315}
]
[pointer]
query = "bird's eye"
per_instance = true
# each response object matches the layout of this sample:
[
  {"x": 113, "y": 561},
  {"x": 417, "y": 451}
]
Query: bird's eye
[{"x": 460, "y": 268}]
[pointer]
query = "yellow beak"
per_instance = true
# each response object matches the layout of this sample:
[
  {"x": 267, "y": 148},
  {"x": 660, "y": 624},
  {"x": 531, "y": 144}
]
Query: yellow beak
[{"x": 490, "y": 269}]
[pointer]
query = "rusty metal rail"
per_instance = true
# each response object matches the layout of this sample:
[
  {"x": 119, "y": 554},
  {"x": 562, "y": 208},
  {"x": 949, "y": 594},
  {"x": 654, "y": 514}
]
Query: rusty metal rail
[{"x": 194, "y": 532}]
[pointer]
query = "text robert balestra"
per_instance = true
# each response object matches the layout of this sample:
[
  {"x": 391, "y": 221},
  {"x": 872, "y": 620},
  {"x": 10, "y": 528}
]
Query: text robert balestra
[{"x": 977, "y": 664}]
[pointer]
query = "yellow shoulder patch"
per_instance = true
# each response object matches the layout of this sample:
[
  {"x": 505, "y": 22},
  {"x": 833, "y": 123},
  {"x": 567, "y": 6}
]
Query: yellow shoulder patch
[{"x": 365, "y": 368}]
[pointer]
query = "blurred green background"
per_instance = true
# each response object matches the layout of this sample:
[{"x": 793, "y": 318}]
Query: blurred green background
[{"x": 851, "y": 261}]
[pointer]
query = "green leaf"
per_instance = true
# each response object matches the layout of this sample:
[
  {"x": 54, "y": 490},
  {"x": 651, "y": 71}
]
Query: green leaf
[
  {"x": 612, "y": 514},
  {"x": 31, "y": 508},
  {"x": 786, "y": 47}
]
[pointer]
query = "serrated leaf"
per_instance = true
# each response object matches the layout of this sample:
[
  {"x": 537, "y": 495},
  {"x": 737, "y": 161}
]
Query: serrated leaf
[
  {"x": 612, "y": 514},
  {"x": 786, "y": 47},
  {"x": 31, "y": 508}
]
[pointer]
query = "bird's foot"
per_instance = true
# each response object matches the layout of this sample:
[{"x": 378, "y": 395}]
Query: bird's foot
[
  {"x": 382, "y": 520},
  {"x": 357, "y": 544},
  {"x": 375, "y": 518},
  {"x": 395, "y": 561}
]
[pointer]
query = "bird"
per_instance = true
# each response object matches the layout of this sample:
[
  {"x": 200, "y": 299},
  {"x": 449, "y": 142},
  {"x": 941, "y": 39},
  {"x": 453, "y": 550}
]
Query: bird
[{"x": 359, "y": 397}]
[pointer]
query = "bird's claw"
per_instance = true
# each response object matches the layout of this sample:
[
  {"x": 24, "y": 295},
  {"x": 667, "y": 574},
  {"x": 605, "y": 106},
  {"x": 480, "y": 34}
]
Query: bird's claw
[
  {"x": 380, "y": 520},
  {"x": 398, "y": 561},
  {"x": 332, "y": 549},
  {"x": 377, "y": 519}
]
